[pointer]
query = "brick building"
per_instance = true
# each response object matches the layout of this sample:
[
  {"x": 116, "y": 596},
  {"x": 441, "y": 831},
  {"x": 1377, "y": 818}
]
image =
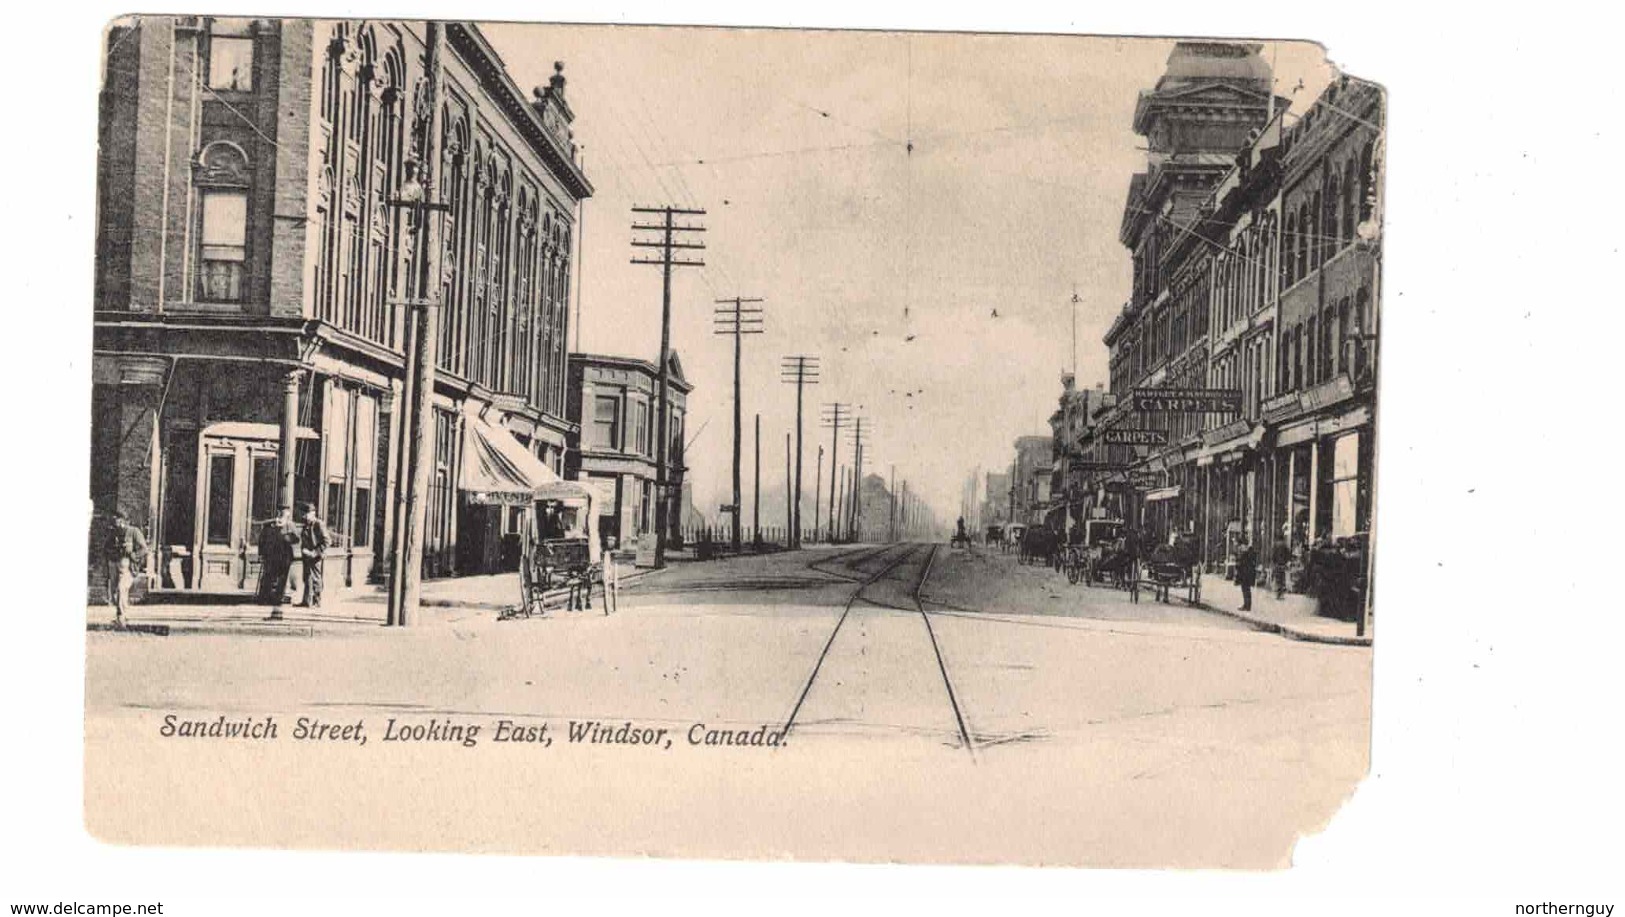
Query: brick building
[
  {"x": 617, "y": 401},
  {"x": 251, "y": 324},
  {"x": 1264, "y": 284},
  {"x": 1210, "y": 104}
]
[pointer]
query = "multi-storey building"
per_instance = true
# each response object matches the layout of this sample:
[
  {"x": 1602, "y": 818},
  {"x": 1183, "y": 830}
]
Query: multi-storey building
[
  {"x": 1210, "y": 104},
  {"x": 1275, "y": 271},
  {"x": 617, "y": 401},
  {"x": 254, "y": 275},
  {"x": 1030, "y": 479},
  {"x": 1073, "y": 416},
  {"x": 1329, "y": 275},
  {"x": 996, "y": 499}
]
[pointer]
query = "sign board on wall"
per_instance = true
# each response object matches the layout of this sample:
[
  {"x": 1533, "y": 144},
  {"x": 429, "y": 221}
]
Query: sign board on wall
[
  {"x": 1135, "y": 437},
  {"x": 1188, "y": 400}
]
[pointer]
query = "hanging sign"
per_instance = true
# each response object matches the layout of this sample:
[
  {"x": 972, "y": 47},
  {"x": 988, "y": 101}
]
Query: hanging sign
[
  {"x": 1188, "y": 400},
  {"x": 1135, "y": 437}
]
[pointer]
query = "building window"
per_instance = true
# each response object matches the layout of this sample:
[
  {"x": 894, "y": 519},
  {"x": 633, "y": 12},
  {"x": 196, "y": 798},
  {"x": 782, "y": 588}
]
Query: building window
[
  {"x": 1310, "y": 365},
  {"x": 606, "y": 421},
  {"x": 1345, "y": 485},
  {"x": 231, "y": 55},
  {"x": 222, "y": 483},
  {"x": 225, "y": 246}
]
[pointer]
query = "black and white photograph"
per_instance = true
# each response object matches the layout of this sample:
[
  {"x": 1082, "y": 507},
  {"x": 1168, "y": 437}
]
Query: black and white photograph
[{"x": 524, "y": 403}]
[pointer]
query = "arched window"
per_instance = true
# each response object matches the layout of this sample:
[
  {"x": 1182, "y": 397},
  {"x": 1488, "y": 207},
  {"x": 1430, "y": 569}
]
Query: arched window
[
  {"x": 1306, "y": 229},
  {"x": 1289, "y": 241},
  {"x": 1330, "y": 225},
  {"x": 1351, "y": 200},
  {"x": 222, "y": 176},
  {"x": 1368, "y": 182}
]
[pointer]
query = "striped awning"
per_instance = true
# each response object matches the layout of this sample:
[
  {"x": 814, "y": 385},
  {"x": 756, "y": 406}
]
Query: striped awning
[{"x": 496, "y": 468}]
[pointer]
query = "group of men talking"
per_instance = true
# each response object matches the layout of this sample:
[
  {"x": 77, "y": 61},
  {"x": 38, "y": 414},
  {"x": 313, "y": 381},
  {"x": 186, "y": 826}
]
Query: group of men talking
[{"x": 283, "y": 541}]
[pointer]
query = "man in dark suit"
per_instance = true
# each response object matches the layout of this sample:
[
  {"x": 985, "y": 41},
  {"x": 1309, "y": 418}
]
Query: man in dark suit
[
  {"x": 277, "y": 538},
  {"x": 313, "y": 542},
  {"x": 1246, "y": 572}
]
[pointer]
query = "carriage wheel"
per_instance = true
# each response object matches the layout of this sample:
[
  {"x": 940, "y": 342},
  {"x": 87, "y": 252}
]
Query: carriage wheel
[{"x": 1073, "y": 574}]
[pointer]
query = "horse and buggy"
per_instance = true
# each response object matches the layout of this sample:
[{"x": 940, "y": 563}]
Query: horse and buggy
[{"x": 561, "y": 558}]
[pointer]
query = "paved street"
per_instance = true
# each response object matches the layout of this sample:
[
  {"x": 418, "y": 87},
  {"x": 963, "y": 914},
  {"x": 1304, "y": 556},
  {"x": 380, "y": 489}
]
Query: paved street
[{"x": 918, "y": 683}]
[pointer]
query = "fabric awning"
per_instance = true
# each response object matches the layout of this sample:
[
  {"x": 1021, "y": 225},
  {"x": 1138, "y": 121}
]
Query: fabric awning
[
  {"x": 496, "y": 468},
  {"x": 1162, "y": 493}
]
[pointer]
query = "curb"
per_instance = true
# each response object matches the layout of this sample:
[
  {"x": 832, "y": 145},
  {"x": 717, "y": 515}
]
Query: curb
[
  {"x": 473, "y": 604},
  {"x": 1287, "y": 630},
  {"x": 165, "y": 630},
  {"x": 302, "y": 628}
]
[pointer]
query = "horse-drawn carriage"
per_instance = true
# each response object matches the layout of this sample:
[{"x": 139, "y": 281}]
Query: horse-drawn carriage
[
  {"x": 1039, "y": 545},
  {"x": 1173, "y": 568},
  {"x": 561, "y": 557},
  {"x": 1084, "y": 559}
]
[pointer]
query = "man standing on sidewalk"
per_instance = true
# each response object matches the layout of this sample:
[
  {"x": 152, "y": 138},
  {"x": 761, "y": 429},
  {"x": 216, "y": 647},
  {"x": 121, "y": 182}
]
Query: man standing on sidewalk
[
  {"x": 125, "y": 550},
  {"x": 277, "y": 539},
  {"x": 1280, "y": 557},
  {"x": 313, "y": 543},
  {"x": 1246, "y": 572}
]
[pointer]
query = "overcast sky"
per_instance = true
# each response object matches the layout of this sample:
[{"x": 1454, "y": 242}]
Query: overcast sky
[{"x": 886, "y": 263}]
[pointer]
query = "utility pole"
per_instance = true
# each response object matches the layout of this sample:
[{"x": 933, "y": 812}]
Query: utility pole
[
  {"x": 737, "y": 321},
  {"x": 419, "y": 195},
  {"x": 835, "y": 413},
  {"x": 789, "y": 514},
  {"x": 856, "y": 527},
  {"x": 891, "y": 515},
  {"x": 756, "y": 491},
  {"x": 667, "y": 245},
  {"x": 800, "y": 371},
  {"x": 835, "y": 526},
  {"x": 818, "y": 486}
]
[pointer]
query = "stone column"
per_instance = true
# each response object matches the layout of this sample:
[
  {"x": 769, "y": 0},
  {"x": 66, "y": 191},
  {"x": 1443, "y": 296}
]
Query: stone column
[{"x": 287, "y": 455}]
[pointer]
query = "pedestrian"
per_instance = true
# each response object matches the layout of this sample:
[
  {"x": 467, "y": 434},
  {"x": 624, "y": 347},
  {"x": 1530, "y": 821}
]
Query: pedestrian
[
  {"x": 1246, "y": 572},
  {"x": 1280, "y": 557},
  {"x": 125, "y": 552},
  {"x": 277, "y": 538},
  {"x": 313, "y": 542}
]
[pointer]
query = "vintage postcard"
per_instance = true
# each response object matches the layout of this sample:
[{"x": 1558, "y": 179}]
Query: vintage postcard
[{"x": 730, "y": 443}]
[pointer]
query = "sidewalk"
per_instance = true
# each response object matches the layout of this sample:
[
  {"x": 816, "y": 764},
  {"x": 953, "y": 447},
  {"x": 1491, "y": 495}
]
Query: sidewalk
[
  {"x": 1292, "y": 616},
  {"x": 353, "y": 611}
]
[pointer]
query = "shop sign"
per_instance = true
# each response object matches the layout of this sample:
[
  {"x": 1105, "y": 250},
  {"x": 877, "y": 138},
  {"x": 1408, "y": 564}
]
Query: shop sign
[
  {"x": 1280, "y": 407},
  {"x": 1233, "y": 429},
  {"x": 1328, "y": 393},
  {"x": 1142, "y": 480},
  {"x": 1188, "y": 400},
  {"x": 1136, "y": 437},
  {"x": 1099, "y": 466}
]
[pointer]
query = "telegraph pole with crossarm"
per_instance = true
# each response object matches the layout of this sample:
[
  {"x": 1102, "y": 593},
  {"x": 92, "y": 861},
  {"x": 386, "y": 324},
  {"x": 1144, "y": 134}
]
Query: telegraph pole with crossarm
[
  {"x": 733, "y": 317},
  {"x": 835, "y": 415},
  {"x": 801, "y": 371},
  {"x": 670, "y": 256}
]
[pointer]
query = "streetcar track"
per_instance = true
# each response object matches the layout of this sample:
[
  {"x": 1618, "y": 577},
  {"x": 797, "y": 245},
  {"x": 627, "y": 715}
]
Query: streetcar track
[
  {"x": 907, "y": 552},
  {"x": 846, "y": 611}
]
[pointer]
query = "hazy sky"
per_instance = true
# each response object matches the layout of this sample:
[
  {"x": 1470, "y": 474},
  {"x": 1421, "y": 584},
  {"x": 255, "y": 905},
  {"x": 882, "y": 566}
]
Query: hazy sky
[{"x": 1010, "y": 200}]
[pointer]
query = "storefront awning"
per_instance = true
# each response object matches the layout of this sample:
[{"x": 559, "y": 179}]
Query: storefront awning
[
  {"x": 496, "y": 468},
  {"x": 1247, "y": 441}
]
